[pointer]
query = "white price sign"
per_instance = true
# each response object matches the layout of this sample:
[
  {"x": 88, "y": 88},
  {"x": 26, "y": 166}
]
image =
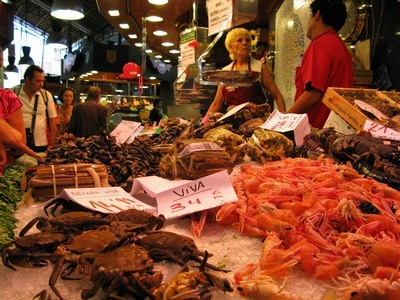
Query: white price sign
[
  {"x": 219, "y": 15},
  {"x": 125, "y": 130},
  {"x": 182, "y": 197},
  {"x": 104, "y": 199},
  {"x": 380, "y": 131},
  {"x": 298, "y": 123}
]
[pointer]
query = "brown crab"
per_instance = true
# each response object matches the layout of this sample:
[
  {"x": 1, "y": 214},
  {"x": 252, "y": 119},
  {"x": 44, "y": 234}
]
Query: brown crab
[
  {"x": 126, "y": 270},
  {"x": 79, "y": 254},
  {"x": 164, "y": 245},
  {"x": 84, "y": 220},
  {"x": 33, "y": 250}
]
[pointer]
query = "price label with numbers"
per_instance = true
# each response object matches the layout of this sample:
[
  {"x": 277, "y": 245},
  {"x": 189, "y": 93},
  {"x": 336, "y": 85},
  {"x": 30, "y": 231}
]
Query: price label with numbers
[
  {"x": 207, "y": 192},
  {"x": 380, "y": 131},
  {"x": 297, "y": 123},
  {"x": 125, "y": 130},
  {"x": 104, "y": 199},
  {"x": 177, "y": 198}
]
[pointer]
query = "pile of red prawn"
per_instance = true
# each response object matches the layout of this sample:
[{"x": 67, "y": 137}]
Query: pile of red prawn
[{"x": 309, "y": 214}]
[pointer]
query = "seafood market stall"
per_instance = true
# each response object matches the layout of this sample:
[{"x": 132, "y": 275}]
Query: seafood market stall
[{"x": 318, "y": 220}]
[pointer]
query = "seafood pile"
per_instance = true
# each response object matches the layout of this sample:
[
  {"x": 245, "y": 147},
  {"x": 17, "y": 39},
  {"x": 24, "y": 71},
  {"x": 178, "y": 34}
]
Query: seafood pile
[
  {"x": 123, "y": 162},
  {"x": 114, "y": 255},
  {"x": 320, "y": 218}
]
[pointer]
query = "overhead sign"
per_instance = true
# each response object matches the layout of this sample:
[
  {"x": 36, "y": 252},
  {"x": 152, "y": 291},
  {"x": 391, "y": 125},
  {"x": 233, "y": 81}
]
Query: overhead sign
[{"x": 219, "y": 15}]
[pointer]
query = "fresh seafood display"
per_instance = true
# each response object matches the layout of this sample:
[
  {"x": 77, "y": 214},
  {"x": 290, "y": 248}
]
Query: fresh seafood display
[
  {"x": 319, "y": 217},
  {"x": 123, "y": 162},
  {"x": 267, "y": 145},
  {"x": 117, "y": 254}
]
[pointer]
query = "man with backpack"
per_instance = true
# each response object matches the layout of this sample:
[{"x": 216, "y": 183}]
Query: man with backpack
[{"x": 38, "y": 110}]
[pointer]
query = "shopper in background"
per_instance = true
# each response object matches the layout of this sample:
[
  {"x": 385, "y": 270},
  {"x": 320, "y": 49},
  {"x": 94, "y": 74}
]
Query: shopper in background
[
  {"x": 156, "y": 113},
  {"x": 65, "y": 109},
  {"x": 238, "y": 44},
  {"x": 326, "y": 63},
  {"x": 89, "y": 118},
  {"x": 32, "y": 91}
]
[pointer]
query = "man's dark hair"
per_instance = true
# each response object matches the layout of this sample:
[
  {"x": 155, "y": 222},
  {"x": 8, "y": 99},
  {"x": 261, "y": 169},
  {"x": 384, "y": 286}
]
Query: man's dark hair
[
  {"x": 30, "y": 71},
  {"x": 333, "y": 12}
]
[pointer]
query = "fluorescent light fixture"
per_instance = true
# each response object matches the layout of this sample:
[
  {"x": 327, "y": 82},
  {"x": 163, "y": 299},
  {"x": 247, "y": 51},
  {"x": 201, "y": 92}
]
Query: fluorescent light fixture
[
  {"x": 174, "y": 51},
  {"x": 133, "y": 36},
  {"x": 158, "y": 2},
  {"x": 160, "y": 33},
  {"x": 149, "y": 51},
  {"x": 154, "y": 19},
  {"x": 67, "y": 10},
  {"x": 113, "y": 12},
  {"x": 152, "y": 78},
  {"x": 138, "y": 44},
  {"x": 124, "y": 25},
  {"x": 167, "y": 61},
  {"x": 159, "y": 56},
  {"x": 167, "y": 44},
  {"x": 94, "y": 71}
]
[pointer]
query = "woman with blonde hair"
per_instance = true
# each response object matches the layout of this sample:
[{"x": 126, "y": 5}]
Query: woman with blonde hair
[{"x": 238, "y": 44}]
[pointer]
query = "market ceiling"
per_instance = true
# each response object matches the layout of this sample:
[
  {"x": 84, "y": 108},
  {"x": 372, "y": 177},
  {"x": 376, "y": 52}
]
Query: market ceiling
[{"x": 98, "y": 25}]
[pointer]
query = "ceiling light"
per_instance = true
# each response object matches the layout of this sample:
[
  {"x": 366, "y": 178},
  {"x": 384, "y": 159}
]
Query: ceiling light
[
  {"x": 11, "y": 67},
  {"x": 138, "y": 44},
  {"x": 124, "y": 25},
  {"x": 167, "y": 44},
  {"x": 7, "y": 1},
  {"x": 133, "y": 36},
  {"x": 113, "y": 13},
  {"x": 94, "y": 71},
  {"x": 160, "y": 33},
  {"x": 57, "y": 40},
  {"x": 158, "y": 2},
  {"x": 149, "y": 51},
  {"x": 26, "y": 59},
  {"x": 67, "y": 10},
  {"x": 154, "y": 19},
  {"x": 158, "y": 56},
  {"x": 174, "y": 51},
  {"x": 167, "y": 61}
]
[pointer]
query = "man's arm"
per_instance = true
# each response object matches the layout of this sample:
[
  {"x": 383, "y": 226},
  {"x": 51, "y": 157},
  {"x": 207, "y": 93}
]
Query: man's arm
[
  {"x": 53, "y": 131},
  {"x": 306, "y": 101}
]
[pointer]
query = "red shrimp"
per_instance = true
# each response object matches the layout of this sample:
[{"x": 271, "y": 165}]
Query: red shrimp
[{"x": 385, "y": 254}]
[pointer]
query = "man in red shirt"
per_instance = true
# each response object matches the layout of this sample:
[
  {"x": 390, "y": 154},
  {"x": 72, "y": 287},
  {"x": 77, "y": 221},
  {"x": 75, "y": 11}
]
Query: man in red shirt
[{"x": 326, "y": 63}]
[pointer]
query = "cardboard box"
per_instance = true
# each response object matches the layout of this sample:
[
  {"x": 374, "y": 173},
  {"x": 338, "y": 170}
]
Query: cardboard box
[
  {"x": 335, "y": 99},
  {"x": 343, "y": 108},
  {"x": 339, "y": 124}
]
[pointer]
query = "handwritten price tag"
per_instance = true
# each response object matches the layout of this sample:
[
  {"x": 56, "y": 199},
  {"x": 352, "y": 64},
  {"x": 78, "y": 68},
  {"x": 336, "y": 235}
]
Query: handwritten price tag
[
  {"x": 378, "y": 130},
  {"x": 104, "y": 199},
  {"x": 177, "y": 198},
  {"x": 298, "y": 123},
  {"x": 125, "y": 130},
  {"x": 208, "y": 192},
  {"x": 219, "y": 15}
]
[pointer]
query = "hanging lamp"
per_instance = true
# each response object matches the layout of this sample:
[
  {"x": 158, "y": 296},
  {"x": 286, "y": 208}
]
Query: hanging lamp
[
  {"x": 11, "y": 66},
  {"x": 26, "y": 59},
  {"x": 67, "y": 9},
  {"x": 56, "y": 39}
]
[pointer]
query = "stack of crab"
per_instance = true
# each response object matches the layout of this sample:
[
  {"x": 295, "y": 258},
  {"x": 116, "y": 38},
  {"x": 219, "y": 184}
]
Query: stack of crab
[{"x": 114, "y": 252}]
